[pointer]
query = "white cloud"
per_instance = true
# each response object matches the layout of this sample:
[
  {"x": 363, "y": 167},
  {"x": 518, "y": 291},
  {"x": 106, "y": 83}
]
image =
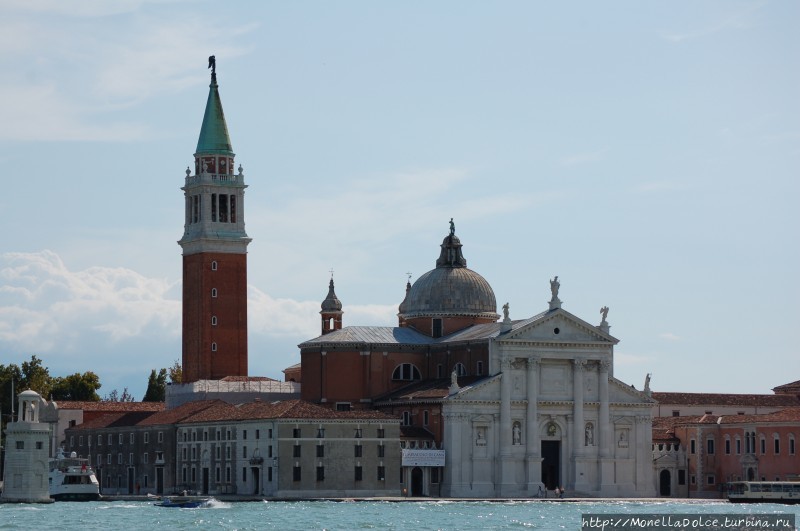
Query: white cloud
[
  {"x": 741, "y": 19},
  {"x": 669, "y": 336},
  {"x": 622, "y": 358}
]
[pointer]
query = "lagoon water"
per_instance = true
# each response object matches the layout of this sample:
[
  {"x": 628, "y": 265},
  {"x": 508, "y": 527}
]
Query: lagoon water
[{"x": 312, "y": 515}]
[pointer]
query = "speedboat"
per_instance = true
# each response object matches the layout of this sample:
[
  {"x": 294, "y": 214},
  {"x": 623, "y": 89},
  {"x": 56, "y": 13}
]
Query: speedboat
[
  {"x": 183, "y": 502},
  {"x": 72, "y": 478}
]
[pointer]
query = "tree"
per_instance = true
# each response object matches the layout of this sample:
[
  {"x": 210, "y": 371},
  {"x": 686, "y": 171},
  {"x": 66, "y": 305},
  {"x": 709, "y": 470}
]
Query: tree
[
  {"x": 76, "y": 387},
  {"x": 35, "y": 377},
  {"x": 176, "y": 373},
  {"x": 114, "y": 396},
  {"x": 156, "y": 386}
]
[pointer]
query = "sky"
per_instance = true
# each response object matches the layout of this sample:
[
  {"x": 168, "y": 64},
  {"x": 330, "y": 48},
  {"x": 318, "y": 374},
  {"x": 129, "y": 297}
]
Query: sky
[{"x": 646, "y": 153}]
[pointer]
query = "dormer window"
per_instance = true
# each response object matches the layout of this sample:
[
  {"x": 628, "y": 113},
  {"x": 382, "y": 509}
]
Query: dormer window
[
  {"x": 406, "y": 371},
  {"x": 436, "y": 327}
]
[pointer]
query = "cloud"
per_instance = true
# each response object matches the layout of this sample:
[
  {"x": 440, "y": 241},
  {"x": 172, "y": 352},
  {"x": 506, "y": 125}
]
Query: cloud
[
  {"x": 669, "y": 336},
  {"x": 622, "y": 358},
  {"x": 584, "y": 158},
  {"x": 69, "y": 77},
  {"x": 741, "y": 19}
]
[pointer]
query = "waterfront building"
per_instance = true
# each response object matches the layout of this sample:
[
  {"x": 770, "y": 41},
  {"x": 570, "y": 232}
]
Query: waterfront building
[
  {"x": 492, "y": 409},
  {"x": 717, "y": 449},
  {"x": 27, "y": 454}
]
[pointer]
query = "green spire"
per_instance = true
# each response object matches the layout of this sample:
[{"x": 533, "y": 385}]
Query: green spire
[{"x": 214, "y": 132}]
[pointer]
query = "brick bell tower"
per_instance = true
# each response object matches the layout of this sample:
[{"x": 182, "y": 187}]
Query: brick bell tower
[{"x": 214, "y": 247}]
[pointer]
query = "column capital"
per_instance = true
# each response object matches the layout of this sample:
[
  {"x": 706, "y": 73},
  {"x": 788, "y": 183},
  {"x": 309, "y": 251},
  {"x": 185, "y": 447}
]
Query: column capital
[
  {"x": 533, "y": 363},
  {"x": 579, "y": 364},
  {"x": 506, "y": 364},
  {"x": 604, "y": 365}
]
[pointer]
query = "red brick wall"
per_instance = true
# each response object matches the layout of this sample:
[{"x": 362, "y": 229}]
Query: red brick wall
[
  {"x": 230, "y": 309},
  {"x": 424, "y": 325}
]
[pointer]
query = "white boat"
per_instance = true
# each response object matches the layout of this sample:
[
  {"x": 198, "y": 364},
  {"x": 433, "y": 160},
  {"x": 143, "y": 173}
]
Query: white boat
[
  {"x": 72, "y": 479},
  {"x": 764, "y": 492}
]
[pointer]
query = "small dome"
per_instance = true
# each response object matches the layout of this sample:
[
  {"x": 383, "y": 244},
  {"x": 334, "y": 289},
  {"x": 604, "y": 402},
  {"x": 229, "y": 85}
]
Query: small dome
[
  {"x": 450, "y": 290},
  {"x": 331, "y": 302}
]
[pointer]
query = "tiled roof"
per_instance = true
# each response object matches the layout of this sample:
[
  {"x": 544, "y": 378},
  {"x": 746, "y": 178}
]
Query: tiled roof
[
  {"x": 790, "y": 414},
  {"x": 116, "y": 420},
  {"x": 721, "y": 399},
  {"x": 432, "y": 389},
  {"x": 248, "y": 379},
  {"x": 109, "y": 406},
  {"x": 286, "y": 409},
  {"x": 182, "y": 412},
  {"x": 792, "y": 387}
]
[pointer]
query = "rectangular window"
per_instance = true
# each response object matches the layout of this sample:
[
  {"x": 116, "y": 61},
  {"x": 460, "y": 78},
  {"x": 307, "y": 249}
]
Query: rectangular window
[
  {"x": 120, "y": 438},
  {"x": 791, "y": 446},
  {"x": 738, "y": 446},
  {"x": 343, "y": 406},
  {"x": 233, "y": 208},
  {"x": 228, "y": 474},
  {"x": 693, "y": 480},
  {"x": 358, "y": 473},
  {"x": 358, "y": 433},
  {"x": 244, "y": 435},
  {"x": 435, "y": 475},
  {"x": 159, "y": 457},
  {"x": 727, "y": 446},
  {"x": 183, "y": 474},
  {"x": 269, "y": 433},
  {"x": 676, "y": 413},
  {"x": 161, "y": 436},
  {"x": 217, "y": 474},
  {"x": 436, "y": 327},
  {"x": 381, "y": 473},
  {"x": 145, "y": 458},
  {"x": 258, "y": 434},
  {"x": 130, "y": 458},
  {"x": 80, "y": 440},
  {"x": 146, "y": 437},
  {"x": 296, "y": 450},
  {"x": 763, "y": 446},
  {"x": 71, "y": 441},
  {"x": 320, "y": 450},
  {"x": 710, "y": 480},
  {"x": 406, "y": 418},
  {"x": 144, "y": 482},
  {"x": 217, "y": 451},
  {"x": 479, "y": 371},
  {"x": 110, "y": 439},
  {"x": 710, "y": 446},
  {"x": 132, "y": 438},
  {"x": 183, "y": 453},
  {"x": 777, "y": 447},
  {"x": 381, "y": 433},
  {"x": 228, "y": 452},
  {"x": 269, "y": 451},
  {"x": 244, "y": 452},
  {"x": 20, "y": 445},
  {"x": 320, "y": 433},
  {"x": 296, "y": 433},
  {"x": 99, "y": 440},
  {"x": 214, "y": 207},
  {"x": 320, "y": 473},
  {"x": 357, "y": 450},
  {"x": 439, "y": 371},
  {"x": 119, "y": 459},
  {"x": 692, "y": 449},
  {"x": 219, "y": 435},
  {"x": 381, "y": 451},
  {"x": 39, "y": 445},
  {"x": 296, "y": 473},
  {"x": 194, "y": 452},
  {"x": 108, "y": 459},
  {"x": 244, "y": 474},
  {"x": 194, "y": 474},
  {"x": 269, "y": 474},
  {"x": 228, "y": 435},
  {"x": 425, "y": 418}
]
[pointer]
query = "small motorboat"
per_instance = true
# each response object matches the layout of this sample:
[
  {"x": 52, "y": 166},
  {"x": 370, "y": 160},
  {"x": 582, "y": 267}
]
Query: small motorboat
[{"x": 183, "y": 502}]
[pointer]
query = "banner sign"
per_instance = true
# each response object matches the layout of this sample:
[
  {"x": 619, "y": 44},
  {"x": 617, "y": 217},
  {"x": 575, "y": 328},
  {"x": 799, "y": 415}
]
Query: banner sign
[{"x": 416, "y": 457}]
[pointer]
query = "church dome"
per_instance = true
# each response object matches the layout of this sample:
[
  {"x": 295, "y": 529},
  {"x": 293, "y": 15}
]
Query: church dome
[
  {"x": 331, "y": 302},
  {"x": 451, "y": 289}
]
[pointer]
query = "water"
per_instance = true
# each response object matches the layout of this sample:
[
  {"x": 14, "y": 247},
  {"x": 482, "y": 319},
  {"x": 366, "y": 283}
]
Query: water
[{"x": 306, "y": 516}]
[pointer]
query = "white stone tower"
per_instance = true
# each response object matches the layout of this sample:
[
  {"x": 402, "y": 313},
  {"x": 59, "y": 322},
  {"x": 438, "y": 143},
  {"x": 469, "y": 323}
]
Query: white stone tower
[{"x": 27, "y": 449}]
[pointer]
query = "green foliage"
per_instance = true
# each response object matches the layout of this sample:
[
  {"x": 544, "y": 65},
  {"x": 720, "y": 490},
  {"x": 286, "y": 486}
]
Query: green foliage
[
  {"x": 76, "y": 387},
  {"x": 176, "y": 373},
  {"x": 114, "y": 396},
  {"x": 156, "y": 386}
]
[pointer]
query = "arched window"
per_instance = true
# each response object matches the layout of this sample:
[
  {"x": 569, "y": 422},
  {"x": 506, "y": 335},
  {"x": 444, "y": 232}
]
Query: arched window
[
  {"x": 214, "y": 265},
  {"x": 213, "y": 320},
  {"x": 791, "y": 444},
  {"x": 776, "y": 441},
  {"x": 406, "y": 371},
  {"x": 460, "y": 369},
  {"x": 213, "y": 293},
  {"x": 213, "y": 347}
]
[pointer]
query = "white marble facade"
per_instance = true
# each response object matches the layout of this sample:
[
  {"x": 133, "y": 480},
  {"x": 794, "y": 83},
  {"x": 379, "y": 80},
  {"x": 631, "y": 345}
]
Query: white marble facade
[{"x": 551, "y": 414}]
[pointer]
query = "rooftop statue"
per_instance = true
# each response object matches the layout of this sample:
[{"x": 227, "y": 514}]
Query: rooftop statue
[
  {"x": 452, "y": 227},
  {"x": 212, "y": 64},
  {"x": 554, "y": 285}
]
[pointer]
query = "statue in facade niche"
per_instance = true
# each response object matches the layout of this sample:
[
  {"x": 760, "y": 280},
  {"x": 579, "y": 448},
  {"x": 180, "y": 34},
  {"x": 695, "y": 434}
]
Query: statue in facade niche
[
  {"x": 589, "y": 435},
  {"x": 517, "y": 434}
]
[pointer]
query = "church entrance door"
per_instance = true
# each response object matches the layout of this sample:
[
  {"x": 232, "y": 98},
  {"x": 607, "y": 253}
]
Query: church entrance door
[
  {"x": 551, "y": 464},
  {"x": 416, "y": 481},
  {"x": 665, "y": 483}
]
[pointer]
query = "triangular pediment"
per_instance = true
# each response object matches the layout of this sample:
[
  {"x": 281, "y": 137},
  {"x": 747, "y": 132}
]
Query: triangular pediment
[
  {"x": 621, "y": 393},
  {"x": 487, "y": 389},
  {"x": 557, "y": 326}
]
